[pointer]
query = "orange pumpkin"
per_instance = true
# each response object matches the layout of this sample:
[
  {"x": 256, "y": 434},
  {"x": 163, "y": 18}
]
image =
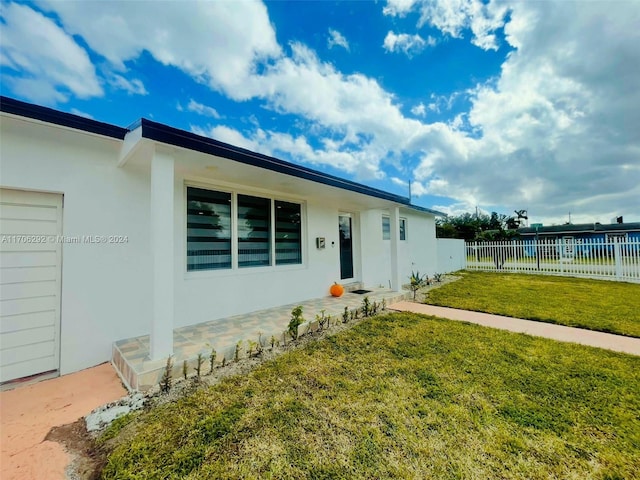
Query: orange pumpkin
[{"x": 336, "y": 290}]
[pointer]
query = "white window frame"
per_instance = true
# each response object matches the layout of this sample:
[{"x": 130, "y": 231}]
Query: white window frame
[{"x": 388, "y": 218}]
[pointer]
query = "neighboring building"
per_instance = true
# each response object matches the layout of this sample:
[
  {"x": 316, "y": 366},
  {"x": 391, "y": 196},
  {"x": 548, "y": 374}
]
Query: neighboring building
[
  {"x": 111, "y": 233},
  {"x": 582, "y": 239}
]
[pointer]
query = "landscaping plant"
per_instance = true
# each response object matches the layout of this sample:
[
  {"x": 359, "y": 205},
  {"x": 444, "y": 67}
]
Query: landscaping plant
[
  {"x": 416, "y": 282},
  {"x": 295, "y": 322}
]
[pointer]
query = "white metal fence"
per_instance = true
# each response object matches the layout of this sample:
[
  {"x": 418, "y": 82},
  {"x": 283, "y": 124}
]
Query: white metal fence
[{"x": 613, "y": 259}]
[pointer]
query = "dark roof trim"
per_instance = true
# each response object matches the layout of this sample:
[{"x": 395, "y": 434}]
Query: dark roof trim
[
  {"x": 180, "y": 138},
  {"x": 49, "y": 115},
  {"x": 191, "y": 141},
  {"x": 427, "y": 210}
]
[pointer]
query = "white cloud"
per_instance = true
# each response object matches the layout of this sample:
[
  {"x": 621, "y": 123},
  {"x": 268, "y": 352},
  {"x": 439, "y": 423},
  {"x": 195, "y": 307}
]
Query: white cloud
[
  {"x": 337, "y": 39},
  {"x": 408, "y": 44},
  {"x": 201, "y": 109},
  {"x": 297, "y": 148},
  {"x": 399, "y": 7},
  {"x": 419, "y": 110},
  {"x": 217, "y": 43},
  {"x": 132, "y": 87},
  {"x": 558, "y": 130},
  {"x": 451, "y": 17},
  {"x": 49, "y": 64}
]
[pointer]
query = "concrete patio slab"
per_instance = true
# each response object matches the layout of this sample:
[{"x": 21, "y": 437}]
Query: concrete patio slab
[
  {"x": 608, "y": 341},
  {"x": 29, "y": 412}
]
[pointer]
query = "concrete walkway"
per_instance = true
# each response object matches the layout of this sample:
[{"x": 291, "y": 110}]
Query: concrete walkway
[
  {"x": 30, "y": 411},
  {"x": 608, "y": 341}
]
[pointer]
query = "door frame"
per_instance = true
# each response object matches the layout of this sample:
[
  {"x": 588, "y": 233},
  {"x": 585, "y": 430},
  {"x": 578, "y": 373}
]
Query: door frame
[{"x": 355, "y": 245}]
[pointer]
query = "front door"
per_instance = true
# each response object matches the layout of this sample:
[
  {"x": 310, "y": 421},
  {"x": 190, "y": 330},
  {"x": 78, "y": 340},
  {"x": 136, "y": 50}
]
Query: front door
[{"x": 346, "y": 246}]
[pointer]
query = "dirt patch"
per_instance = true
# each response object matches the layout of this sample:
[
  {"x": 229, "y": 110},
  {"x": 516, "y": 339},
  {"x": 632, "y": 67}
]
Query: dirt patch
[{"x": 87, "y": 460}]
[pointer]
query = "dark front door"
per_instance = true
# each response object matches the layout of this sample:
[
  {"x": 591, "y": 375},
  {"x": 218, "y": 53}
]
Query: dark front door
[{"x": 346, "y": 247}]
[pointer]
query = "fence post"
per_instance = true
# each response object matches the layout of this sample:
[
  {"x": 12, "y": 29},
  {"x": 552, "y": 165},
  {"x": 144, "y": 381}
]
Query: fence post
[
  {"x": 617, "y": 255},
  {"x": 560, "y": 254}
]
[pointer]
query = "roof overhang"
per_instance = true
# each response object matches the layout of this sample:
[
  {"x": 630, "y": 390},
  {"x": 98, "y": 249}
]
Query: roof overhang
[{"x": 146, "y": 133}]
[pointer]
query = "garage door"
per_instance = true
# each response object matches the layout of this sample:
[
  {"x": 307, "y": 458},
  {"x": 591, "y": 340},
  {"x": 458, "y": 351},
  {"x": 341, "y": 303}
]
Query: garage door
[{"x": 30, "y": 261}]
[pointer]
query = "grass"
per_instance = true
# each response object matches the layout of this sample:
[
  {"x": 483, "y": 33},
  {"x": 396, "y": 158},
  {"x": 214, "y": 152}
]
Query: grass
[
  {"x": 401, "y": 396},
  {"x": 600, "y": 305}
]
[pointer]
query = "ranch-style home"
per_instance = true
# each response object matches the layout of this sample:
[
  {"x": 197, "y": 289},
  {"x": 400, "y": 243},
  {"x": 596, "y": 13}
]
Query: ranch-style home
[{"x": 110, "y": 233}]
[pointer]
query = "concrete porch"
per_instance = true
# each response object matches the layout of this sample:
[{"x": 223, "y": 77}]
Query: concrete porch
[{"x": 131, "y": 357}]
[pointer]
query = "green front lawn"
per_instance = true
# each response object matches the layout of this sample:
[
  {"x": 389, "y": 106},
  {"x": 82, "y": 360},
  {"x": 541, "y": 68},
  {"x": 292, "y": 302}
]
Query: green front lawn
[
  {"x": 601, "y": 305},
  {"x": 401, "y": 396}
]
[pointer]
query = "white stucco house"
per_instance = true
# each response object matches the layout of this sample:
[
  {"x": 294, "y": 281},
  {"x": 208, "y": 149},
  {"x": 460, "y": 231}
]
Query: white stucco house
[{"x": 110, "y": 233}]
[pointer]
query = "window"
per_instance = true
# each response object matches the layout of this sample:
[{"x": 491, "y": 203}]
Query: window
[
  {"x": 208, "y": 229},
  {"x": 386, "y": 228},
  {"x": 616, "y": 237},
  {"x": 254, "y": 231},
  {"x": 258, "y": 222},
  {"x": 288, "y": 233}
]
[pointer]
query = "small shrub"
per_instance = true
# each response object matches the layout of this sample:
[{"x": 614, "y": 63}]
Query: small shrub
[
  {"x": 165, "y": 381},
  {"x": 366, "y": 307},
  {"x": 323, "y": 320},
  {"x": 253, "y": 346},
  {"x": 273, "y": 341},
  {"x": 236, "y": 355},
  {"x": 437, "y": 277},
  {"x": 295, "y": 322},
  {"x": 383, "y": 305},
  {"x": 212, "y": 359},
  {"x": 199, "y": 363},
  {"x": 374, "y": 308},
  {"x": 416, "y": 282},
  {"x": 345, "y": 315}
]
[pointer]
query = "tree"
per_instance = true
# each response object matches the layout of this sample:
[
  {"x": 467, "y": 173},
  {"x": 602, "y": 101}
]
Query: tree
[{"x": 471, "y": 226}]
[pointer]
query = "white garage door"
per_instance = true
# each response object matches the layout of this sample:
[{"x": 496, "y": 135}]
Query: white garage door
[{"x": 30, "y": 261}]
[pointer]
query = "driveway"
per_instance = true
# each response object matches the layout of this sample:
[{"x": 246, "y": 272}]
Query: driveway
[{"x": 29, "y": 412}]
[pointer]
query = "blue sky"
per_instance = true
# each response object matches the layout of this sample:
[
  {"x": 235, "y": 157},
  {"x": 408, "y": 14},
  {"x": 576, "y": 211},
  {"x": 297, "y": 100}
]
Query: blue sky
[{"x": 501, "y": 105}]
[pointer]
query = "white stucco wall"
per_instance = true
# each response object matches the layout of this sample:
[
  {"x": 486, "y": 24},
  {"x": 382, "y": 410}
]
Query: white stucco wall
[
  {"x": 105, "y": 288},
  {"x": 417, "y": 252},
  {"x": 451, "y": 255}
]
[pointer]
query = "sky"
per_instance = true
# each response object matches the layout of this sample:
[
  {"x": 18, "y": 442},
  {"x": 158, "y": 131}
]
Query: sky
[{"x": 498, "y": 105}]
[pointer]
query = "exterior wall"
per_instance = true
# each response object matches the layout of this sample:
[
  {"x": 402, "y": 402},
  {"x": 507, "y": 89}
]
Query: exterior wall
[
  {"x": 451, "y": 255},
  {"x": 208, "y": 295},
  {"x": 417, "y": 252},
  {"x": 105, "y": 287}
]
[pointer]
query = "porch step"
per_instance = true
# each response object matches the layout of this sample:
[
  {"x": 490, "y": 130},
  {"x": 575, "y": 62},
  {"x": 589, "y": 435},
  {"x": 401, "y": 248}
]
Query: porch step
[
  {"x": 130, "y": 357},
  {"x": 350, "y": 287}
]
